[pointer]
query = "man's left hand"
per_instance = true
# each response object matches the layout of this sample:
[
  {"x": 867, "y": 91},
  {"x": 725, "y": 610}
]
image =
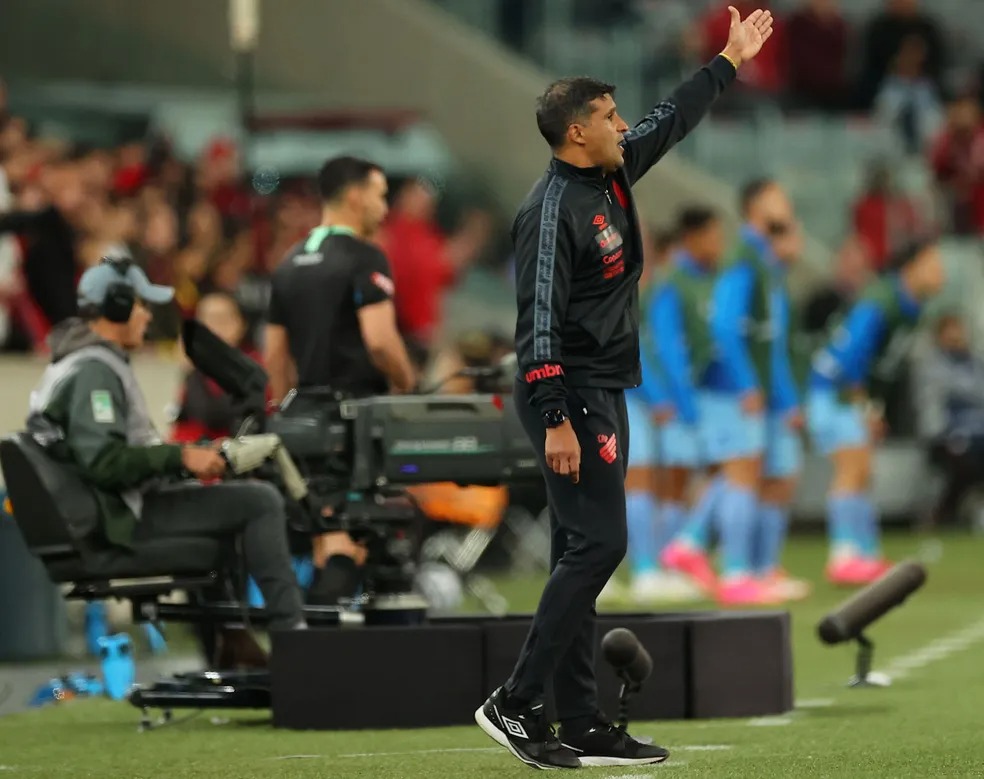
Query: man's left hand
[{"x": 745, "y": 38}]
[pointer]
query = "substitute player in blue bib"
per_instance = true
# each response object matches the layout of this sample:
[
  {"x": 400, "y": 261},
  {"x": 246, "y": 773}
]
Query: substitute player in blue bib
[
  {"x": 783, "y": 456},
  {"x": 840, "y": 419},
  {"x": 749, "y": 409},
  {"x": 664, "y": 453}
]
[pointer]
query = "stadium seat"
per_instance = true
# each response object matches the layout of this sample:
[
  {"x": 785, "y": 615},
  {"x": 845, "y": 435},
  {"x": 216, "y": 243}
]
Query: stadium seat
[{"x": 56, "y": 514}]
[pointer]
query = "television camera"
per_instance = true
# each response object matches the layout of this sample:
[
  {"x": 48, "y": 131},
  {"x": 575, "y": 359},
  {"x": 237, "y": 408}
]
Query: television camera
[{"x": 345, "y": 463}]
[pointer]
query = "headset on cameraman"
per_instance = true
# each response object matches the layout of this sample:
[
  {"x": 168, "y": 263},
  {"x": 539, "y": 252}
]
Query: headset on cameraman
[{"x": 120, "y": 298}]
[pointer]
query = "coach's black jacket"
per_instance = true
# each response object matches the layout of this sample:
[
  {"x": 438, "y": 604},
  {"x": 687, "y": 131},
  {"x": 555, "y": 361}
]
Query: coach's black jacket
[{"x": 579, "y": 256}]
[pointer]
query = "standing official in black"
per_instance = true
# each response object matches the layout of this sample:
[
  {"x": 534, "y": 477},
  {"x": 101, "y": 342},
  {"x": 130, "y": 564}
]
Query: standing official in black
[
  {"x": 332, "y": 323},
  {"x": 579, "y": 259}
]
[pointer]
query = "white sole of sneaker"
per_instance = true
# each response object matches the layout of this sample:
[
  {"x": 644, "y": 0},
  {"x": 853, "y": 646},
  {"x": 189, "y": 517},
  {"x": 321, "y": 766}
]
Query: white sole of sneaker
[
  {"x": 609, "y": 762},
  {"x": 500, "y": 738}
]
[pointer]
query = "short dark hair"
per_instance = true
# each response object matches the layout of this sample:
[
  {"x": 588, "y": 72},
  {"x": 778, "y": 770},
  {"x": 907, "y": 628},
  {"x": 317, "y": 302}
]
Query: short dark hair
[
  {"x": 663, "y": 239},
  {"x": 564, "y": 102},
  {"x": 694, "y": 218},
  {"x": 908, "y": 253},
  {"x": 339, "y": 173},
  {"x": 89, "y": 312},
  {"x": 751, "y": 191}
]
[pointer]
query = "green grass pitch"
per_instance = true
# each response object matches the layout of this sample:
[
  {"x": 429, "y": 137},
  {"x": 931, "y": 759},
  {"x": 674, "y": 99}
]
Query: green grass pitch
[{"x": 929, "y": 723}]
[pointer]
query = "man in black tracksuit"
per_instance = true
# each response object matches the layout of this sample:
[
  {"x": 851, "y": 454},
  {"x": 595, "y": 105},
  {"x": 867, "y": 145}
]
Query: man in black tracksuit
[{"x": 579, "y": 259}]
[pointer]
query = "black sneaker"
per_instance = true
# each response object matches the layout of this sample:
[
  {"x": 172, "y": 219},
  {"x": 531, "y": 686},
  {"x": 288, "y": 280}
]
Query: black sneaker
[
  {"x": 604, "y": 744},
  {"x": 525, "y": 733}
]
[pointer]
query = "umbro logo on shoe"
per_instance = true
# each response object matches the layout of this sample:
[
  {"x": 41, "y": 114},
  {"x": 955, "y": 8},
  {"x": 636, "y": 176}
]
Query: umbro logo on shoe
[{"x": 514, "y": 728}]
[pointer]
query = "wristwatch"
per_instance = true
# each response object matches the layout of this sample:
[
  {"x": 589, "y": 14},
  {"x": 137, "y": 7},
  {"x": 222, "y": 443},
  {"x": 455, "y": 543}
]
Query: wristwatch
[{"x": 554, "y": 417}]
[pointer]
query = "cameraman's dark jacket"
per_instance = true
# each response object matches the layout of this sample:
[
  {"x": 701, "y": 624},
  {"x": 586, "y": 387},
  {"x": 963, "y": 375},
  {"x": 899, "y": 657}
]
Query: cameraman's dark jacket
[
  {"x": 579, "y": 256},
  {"x": 90, "y": 413}
]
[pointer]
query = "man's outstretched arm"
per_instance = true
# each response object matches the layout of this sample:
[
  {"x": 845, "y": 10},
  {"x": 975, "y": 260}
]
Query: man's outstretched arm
[{"x": 673, "y": 119}]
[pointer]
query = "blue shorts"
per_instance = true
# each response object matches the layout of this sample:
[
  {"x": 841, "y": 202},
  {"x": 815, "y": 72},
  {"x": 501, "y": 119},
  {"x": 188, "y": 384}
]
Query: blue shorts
[
  {"x": 674, "y": 444},
  {"x": 833, "y": 424},
  {"x": 783, "y": 449},
  {"x": 679, "y": 445},
  {"x": 726, "y": 432},
  {"x": 643, "y": 439}
]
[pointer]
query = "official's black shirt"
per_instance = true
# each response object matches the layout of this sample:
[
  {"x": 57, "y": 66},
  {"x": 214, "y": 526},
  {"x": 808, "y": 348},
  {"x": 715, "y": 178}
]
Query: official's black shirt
[{"x": 316, "y": 294}]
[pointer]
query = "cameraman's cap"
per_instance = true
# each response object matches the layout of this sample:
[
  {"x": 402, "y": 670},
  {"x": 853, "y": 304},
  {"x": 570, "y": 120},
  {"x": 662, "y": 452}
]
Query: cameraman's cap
[{"x": 97, "y": 280}]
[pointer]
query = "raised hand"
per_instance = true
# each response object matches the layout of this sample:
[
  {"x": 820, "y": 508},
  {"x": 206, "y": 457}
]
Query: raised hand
[{"x": 745, "y": 38}]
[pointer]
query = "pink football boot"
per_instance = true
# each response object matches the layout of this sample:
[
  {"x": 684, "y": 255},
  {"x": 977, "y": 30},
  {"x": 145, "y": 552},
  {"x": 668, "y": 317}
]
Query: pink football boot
[
  {"x": 746, "y": 591},
  {"x": 856, "y": 571},
  {"x": 693, "y": 563},
  {"x": 786, "y": 587}
]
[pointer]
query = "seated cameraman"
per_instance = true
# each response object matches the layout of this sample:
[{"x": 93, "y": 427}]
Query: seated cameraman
[
  {"x": 332, "y": 323},
  {"x": 88, "y": 403}
]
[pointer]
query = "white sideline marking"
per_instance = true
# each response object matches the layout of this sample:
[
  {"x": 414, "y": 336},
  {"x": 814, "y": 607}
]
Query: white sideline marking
[
  {"x": 769, "y": 722},
  {"x": 690, "y": 748},
  {"x": 939, "y": 649},
  {"x": 423, "y": 752},
  {"x": 931, "y": 551},
  {"x": 814, "y": 703},
  {"x": 296, "y": 757},
  {"x": 656, "y": 770}
]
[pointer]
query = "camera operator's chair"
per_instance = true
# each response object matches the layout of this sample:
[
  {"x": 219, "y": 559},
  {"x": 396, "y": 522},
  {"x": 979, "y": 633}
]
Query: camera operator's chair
[{"x": 56, "y": 512}]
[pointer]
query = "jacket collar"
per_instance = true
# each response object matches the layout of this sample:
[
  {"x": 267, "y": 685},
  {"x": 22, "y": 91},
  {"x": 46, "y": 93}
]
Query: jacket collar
[
  {"x": 73, "y": 334},
  {"x": 594, "y": 176}
]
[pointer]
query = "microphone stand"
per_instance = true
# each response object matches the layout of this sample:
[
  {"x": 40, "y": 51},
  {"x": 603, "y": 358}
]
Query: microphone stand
[{"x": 629, "y": 688}]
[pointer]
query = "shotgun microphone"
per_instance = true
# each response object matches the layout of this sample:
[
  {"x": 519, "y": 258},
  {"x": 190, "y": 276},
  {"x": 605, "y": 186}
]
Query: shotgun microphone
[{"x": 849, "y": 619}]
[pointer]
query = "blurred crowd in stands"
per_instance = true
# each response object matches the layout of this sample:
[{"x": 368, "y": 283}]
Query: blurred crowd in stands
[
  {"x": 904, "y": 64},
  {"x": 824, "y": 54},
  {"x": 200, "y": 225}
]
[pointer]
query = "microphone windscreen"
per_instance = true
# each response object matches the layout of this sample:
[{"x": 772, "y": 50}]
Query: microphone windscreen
[
  {"x": 640, "y": 667},
  {"x": 872, "y": 602},
  {"x": 620, "y": 647}
]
